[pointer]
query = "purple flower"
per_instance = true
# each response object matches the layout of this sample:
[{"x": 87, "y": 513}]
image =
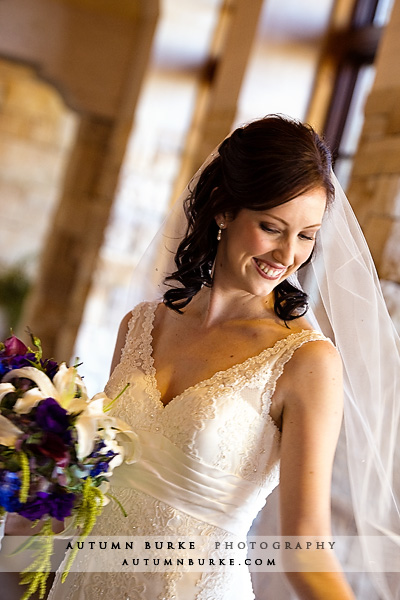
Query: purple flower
[
  {"x": 50, "y": 367},
  {"x": 61, "y": 505},
  {"x": 9, "y": 363},
  {"x": 58, "y": 506},
  {"x": 16, "y": 355},
  {"x": 35, "y": 509},
  {"x": 52, "y": 417},
  {"x": 13, "y": 346}
]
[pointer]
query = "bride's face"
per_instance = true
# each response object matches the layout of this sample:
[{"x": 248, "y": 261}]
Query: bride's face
[{"x": 259, "y": 249}]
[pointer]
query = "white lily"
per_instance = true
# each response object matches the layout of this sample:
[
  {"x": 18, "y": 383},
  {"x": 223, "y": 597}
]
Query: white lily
[
  {"x": 91, "y": 424},
  {"x": 129, "y": 441},
  {"x": 30, "y": 399},
  {"x": 9, "y": 433},
  {"x": 87, "y": 425},
  {"x": 115, "y": 432},
  {"x": 5, "y": 388},
  {"x": 117, "y": 460},
  {"x": 63, "y": 388}
]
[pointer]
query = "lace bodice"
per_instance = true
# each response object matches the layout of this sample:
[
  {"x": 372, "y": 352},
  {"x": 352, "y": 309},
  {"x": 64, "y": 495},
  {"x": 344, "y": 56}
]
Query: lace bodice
[
  {"x": 231, "y": 407},
  {"x": 210, "y": 458}
]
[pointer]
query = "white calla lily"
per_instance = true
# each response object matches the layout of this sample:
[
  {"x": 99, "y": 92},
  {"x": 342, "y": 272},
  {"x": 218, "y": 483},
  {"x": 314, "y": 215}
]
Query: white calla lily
[{"x": 9, "y": 433}]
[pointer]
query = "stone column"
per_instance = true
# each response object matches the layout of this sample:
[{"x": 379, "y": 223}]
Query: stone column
[
  {"x": 56, "y": 304},
  {"x": 95, "y": 52}
]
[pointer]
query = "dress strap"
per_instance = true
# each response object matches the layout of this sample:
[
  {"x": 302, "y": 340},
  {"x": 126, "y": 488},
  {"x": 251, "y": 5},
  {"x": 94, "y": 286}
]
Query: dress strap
[
  {"x": 294, "y": 342},
  {"x": 139, "y": 331},
  {"x": 136, "y": 348}
]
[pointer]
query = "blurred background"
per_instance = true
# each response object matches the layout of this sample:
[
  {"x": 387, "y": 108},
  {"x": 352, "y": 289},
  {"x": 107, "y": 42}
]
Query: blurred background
[{"x": 107, "y": 108}]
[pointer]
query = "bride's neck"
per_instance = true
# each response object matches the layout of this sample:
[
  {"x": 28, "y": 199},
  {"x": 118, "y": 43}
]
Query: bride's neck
[{"x": 212, "y": 306}]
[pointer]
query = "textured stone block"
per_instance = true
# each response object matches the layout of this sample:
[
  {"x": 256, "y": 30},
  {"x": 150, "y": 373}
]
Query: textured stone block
[{"x": 380, "y": 156}]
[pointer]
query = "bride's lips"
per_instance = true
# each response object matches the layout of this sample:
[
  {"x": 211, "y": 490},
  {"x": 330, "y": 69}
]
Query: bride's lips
[{"x": 268, "y": 271}]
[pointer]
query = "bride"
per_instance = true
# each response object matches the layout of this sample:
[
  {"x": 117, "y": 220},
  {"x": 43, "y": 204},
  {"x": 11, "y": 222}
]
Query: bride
[{"x": 232, "y": 389}]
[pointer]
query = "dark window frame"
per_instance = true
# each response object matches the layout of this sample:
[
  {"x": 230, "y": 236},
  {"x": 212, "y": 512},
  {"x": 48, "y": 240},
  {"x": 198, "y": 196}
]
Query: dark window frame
[{"x": 357, "y": 47}]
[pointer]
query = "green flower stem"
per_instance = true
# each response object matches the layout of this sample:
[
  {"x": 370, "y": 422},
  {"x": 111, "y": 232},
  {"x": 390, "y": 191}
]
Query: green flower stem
[
  {"x": 87, "y": 513},
  {"x": 110, "y": 404},
  {"x": 38, "y": 345},
  {"x": 25, "y": 478},
  {"x": 37, "y": 573},
  {"x": 112, "y": 497}
]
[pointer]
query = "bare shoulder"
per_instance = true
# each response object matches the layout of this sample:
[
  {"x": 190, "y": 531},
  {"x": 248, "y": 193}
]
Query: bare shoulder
[
  {"x": 312, "y": 380},
  {"x": 316, "y": 356}
]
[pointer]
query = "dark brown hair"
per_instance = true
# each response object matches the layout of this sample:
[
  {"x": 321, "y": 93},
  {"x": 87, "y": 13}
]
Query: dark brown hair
[{"x": 261, "y": 165}]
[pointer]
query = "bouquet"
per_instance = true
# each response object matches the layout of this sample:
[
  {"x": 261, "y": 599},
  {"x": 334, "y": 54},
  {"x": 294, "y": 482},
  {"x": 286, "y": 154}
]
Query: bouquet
[{"x": 58, "y": 448}]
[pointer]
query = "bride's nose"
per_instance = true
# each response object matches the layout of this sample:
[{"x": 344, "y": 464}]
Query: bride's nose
[{"x": 284, "y": 253}]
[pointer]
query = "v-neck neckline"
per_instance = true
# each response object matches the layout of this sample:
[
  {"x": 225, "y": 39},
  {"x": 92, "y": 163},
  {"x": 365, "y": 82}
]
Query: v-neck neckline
[{"x": 208, "y": 380}]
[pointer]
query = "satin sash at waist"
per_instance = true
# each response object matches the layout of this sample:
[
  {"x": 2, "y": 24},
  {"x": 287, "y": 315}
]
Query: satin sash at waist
[{"x": 204, "y": 492}]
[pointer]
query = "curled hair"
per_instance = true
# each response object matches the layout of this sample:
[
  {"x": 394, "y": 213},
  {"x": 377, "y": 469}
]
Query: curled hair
[{"x": 262, "y": 165}]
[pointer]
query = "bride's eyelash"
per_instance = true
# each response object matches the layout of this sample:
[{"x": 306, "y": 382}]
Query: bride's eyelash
[{"x": 269, "y": 229}]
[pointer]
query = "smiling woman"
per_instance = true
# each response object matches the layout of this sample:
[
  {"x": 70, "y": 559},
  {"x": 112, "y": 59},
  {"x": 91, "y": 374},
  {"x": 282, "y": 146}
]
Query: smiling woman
[
  {"x": 259, "y": 167},
  {"x": 273, "y": 243},
  {"x": 231, "y": 389}
]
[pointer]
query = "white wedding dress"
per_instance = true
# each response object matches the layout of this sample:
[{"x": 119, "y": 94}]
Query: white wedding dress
[{"x": 209, "y": 460}]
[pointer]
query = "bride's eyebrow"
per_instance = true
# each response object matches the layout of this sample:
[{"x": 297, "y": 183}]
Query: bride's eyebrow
[{"x": 268, "y": 215}]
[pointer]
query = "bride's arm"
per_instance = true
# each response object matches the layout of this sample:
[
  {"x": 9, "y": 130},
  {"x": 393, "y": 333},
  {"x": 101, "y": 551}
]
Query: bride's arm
[{"x": 312, "y": 414}]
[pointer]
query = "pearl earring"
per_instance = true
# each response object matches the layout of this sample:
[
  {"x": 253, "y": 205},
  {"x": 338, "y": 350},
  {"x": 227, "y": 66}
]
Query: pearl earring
[{"x": 219, "y": 234}]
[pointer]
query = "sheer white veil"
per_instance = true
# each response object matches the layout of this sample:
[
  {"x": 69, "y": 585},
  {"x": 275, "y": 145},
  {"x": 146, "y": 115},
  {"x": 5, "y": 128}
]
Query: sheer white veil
[{"x": 346, "y": 304}]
